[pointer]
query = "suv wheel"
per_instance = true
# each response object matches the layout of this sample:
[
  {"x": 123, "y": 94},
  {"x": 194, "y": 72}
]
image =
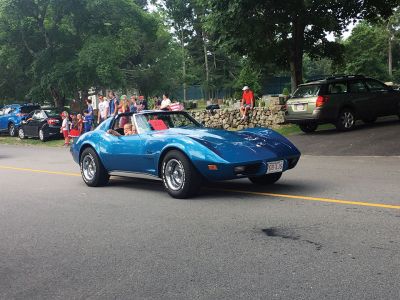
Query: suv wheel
[
  {"x": 42, "y": 135},
  {"x": 346, "y": 120},
  {"x": 21, "y": 134},
  {"x": 308, "y": 127},
  {"x": 12, "y": 130}
]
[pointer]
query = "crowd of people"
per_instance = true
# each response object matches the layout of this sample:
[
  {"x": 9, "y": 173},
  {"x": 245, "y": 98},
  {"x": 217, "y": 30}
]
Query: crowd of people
[{"x": 112, "y": 105}]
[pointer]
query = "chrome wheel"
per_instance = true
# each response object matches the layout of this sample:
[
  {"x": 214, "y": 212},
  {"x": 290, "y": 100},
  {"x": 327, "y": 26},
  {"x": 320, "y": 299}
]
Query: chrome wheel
[
  {"x": 348, "y": 119},
  {"x": 41, "y": 135},
  {"x": 174, "y": 174},
  {"x": 21, "y": 134},
  {"x": 11, "y": 130},
  {"x": 88, "y": 167}
]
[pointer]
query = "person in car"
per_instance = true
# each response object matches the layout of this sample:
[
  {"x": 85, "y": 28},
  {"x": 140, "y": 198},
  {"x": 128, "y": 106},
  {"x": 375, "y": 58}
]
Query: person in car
[{"x": 129, "y": 129}]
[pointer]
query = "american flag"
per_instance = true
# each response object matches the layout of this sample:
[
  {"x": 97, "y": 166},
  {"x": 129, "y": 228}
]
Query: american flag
[{"x": 176, "y": 106}]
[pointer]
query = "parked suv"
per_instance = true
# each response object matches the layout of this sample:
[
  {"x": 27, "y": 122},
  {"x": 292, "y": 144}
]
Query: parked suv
[
  {"x": 341, "y": 101},
  {"x": 12, "y": 115}
]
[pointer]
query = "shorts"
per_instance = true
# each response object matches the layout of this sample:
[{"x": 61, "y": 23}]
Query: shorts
[
  {"x": 246, "y": 105},
  {"x": 65, "y": 134}
]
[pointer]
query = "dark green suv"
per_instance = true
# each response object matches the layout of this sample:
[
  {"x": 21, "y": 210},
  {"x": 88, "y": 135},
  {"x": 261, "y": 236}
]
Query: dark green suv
[{"x": 341, "y": 101}]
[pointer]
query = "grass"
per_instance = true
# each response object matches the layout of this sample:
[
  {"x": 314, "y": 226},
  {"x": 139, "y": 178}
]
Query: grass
[
  {"x": 291, "y": 129},
  {"x": 8, "y": 140}
]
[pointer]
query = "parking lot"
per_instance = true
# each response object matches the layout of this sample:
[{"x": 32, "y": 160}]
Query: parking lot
[{"x": 328, "y": 229}]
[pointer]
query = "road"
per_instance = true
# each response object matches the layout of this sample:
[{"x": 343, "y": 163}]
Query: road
[{"x": 328, "y": 230}]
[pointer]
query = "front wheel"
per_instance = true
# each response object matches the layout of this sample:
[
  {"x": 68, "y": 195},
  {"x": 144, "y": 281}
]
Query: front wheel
[
  {"x": 12, "y": 131},
  {"x": 346, "y": 120},
  {"x": 179, "y": 176},
  {"x": 308, "y": 127},
  {"x": 92, "y": 170},
  {"x": 266, "y": 179}
]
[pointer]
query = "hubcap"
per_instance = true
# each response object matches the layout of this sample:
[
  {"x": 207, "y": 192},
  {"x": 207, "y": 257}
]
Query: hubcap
[
  {"x": 347, "y": 119},
  {"x": 12, "y": 130},
  {"x": 21, "y": 133},
  {"x": 174, "y": 174},
  {"x": 41, "y": 135},
  {"x": 88, "y": 167}
]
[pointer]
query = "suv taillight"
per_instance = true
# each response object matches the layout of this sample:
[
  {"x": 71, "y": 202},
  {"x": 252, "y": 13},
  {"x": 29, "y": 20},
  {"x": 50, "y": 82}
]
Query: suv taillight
[
  {"x": 21, "y": 115},
  {"x": 52, "y": 121},
  {"x": 321, "y": 100}
]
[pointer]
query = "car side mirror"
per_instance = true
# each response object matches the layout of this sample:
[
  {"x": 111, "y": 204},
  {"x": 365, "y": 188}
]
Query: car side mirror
[
  {"x": 23, "y": 122},
  {"x": 203, "y": 123}
]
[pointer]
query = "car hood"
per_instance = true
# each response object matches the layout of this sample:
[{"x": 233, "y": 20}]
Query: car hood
[{"x": 238, "y": 146}]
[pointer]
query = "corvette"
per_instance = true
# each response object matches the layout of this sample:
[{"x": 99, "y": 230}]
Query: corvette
[{"x": 181, "y": 152}]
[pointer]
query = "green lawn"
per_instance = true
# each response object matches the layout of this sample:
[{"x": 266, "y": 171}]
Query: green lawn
[
  {"x": 291, "y": 129},
  {"x": 35, "y": 142}
]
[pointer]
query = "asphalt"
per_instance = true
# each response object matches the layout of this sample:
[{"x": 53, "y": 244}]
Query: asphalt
[
  {"x": 379, "y": 139},
  {"x": 130, "y": 240}
]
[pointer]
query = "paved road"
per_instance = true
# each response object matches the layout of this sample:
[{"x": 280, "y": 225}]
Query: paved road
[
  {"x": 379, "y": 139},
  {"x": 62, "y": 240}
]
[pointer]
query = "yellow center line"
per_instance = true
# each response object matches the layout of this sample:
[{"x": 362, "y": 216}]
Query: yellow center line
[
  {"x": 39, "y": 171},
  {"x": 306, "y": 198}
]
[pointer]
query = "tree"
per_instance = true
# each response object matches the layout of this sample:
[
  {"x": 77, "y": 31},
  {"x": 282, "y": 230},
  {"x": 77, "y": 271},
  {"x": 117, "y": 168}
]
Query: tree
[{"x": 282, "y": 31}]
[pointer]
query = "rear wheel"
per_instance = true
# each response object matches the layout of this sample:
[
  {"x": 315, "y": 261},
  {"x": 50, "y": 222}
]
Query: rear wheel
[
  {"x": 308, "y": 127},
  {"x": 92, "y": 170},
  {"x": 12, "y": 130},
  {"x": 266, "y": 179},
  {"x": 180, "y": 177},
  {"x": 346, "y": 120},
  {"x": 42, "y": 135},
  {"x": 21, "y": 133}
]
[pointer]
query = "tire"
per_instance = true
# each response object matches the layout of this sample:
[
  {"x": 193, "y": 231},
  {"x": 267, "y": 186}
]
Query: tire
[
  {"x": 369, "y": 121},
  {"x": 12, "y": 131},
  {"x": 346, "y": 120},
  {"x": 180, "y": 178},
  {"x": 266, "y": 179},
  {"x": 21, "y": 134},
  {"x": 42, "y": 135},
  {"x": 308, "y": 127},
  {"x": 92, "y": 170}
]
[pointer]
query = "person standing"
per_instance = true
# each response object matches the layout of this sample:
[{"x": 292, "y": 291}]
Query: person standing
[
  {"x": 65, "y": 127},
  {"x": 113, "y": 103},
  {"x": 133, "y": 104},
  {"x": 143, "y": 103},
  {"x": 247, "y": 102},
  {"x": 90, "y": 113},
  {"x": 166, "y": 102},
  {"x": 103, "y": 109}
]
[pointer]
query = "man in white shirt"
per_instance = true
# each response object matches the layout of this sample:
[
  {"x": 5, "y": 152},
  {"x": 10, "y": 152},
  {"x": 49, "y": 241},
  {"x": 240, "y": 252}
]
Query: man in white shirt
[
  {"x": 103, "y": 109},
  {"x": 165, "y": 103}
]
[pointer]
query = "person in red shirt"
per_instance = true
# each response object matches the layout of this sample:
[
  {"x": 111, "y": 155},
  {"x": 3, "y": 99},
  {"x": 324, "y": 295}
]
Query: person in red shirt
[{"x": 247, "y": 102}]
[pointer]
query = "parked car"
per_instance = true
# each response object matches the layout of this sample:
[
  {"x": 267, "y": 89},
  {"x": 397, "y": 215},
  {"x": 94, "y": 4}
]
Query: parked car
[
  {"x": 341, "y": 101},
  {"x": 12, "y": 115},
  {"x": 181, "y": 152},
  {"x": 42, "y": 124}
]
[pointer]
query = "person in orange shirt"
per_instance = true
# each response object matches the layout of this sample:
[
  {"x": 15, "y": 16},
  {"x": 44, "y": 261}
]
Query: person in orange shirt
[{"x": 247, "y": 102}]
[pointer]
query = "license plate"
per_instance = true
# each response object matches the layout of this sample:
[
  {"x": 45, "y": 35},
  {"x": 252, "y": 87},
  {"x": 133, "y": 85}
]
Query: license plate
[
  {"x": 275, "y": 167},
  {"x": 300, "y": 107}
]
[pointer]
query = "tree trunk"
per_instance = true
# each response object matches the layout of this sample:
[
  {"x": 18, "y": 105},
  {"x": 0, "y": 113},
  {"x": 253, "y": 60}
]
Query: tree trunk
[
  {"x": 207, "y": 92},
  {"x": 296, "y": 52},
  {"x": 390, "y": 57},
  {"x": 183, "y": 65},
  {"x": 59, "y": 100}
]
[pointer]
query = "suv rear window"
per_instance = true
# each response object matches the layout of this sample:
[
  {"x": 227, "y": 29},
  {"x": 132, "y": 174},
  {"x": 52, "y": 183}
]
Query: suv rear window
[
  {"x": 337, "y": 88},
  {"x": 306, "y": 91},
  {"x": 27, "y": 109}
]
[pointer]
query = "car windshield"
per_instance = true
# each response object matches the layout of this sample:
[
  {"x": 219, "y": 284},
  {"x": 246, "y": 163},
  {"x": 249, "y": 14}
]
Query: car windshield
[
  {"x": 27, "y": 109},
  {"x": 165, "y": 120},
  {"x": 306, "y": 91},
  {"x": 53, "y": 112}
]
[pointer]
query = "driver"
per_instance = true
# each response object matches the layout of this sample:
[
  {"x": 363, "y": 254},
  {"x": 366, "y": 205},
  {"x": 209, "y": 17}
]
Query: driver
[{"x": 129, "y": 129}]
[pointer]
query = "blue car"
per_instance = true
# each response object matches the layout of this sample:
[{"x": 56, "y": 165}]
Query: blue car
[
  {"x": 183, "y": 153},
  {"x": 12, "y": 115}
]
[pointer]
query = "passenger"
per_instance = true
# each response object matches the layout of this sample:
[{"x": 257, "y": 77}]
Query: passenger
[{"x": 129, "y": 129}]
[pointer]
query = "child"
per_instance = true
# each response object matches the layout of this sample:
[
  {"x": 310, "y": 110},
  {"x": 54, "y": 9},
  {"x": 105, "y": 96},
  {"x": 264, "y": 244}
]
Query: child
[
  {"x": 87, "y": 123},
  {"x": 65, "y": 127}
]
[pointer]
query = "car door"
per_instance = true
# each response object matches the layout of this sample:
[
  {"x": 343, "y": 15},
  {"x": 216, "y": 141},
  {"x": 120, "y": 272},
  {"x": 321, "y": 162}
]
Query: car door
[
  {"x": 361, "y": 99},
  {"x": 31, "y": 127},
  {"x": 124, "y": 153},
  {"x": 4, "y": 117},
  {"x": 384, "y": 100}
]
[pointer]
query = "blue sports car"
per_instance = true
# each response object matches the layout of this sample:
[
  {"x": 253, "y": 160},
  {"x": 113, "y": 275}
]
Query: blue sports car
[{"x": 183, "y": 153}]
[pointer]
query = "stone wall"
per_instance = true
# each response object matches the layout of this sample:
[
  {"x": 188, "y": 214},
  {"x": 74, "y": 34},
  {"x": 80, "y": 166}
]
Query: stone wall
[{"x": 229, "y": 118}]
